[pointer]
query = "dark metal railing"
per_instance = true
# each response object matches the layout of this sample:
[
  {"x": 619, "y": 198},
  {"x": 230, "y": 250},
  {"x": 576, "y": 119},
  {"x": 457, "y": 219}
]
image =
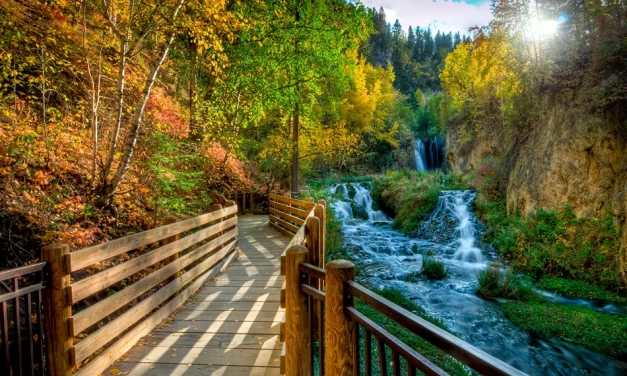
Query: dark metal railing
[{"x": 21, "y": 325}]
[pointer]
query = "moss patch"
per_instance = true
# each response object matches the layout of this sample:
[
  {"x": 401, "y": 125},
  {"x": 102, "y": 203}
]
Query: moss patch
[
  {"x": 582, "y": 326},
  {"x": 577, "y": 289}
]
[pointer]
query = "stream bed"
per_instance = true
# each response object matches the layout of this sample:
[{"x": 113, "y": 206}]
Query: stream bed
[{"x": 387, "y": 258}]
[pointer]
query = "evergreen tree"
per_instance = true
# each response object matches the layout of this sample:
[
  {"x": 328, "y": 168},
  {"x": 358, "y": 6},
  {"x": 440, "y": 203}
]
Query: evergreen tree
[
  {"x": 457, "y": 40},
  {"x": 429, "y": 44}
]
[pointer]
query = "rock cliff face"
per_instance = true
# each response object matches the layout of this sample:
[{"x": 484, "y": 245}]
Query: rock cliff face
[{"x": 569, "y": 157}]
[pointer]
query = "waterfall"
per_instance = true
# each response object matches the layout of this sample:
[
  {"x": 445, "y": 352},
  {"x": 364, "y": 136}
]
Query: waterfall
[
  {"x": 434, "y": 153},
  {"x": 420, "y": 155},
  {"x": 362, "y": 199},
  {"x": 455, "y": 206}
]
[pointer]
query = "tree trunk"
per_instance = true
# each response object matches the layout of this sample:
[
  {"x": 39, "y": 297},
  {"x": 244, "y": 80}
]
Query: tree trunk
[
  {"x": 137, "y": 119},
  {"x": 114, "y": 139},
  {"x": 295, "y": 189},
  {"x": 109, "y": 189},
  {"x": 196, "y": 132}
]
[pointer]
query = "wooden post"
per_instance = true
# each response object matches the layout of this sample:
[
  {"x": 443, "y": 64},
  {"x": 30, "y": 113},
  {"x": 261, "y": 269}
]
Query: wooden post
[
  {"x": 252, "y": 203},
  {"x": 58, "y": 310},
  {"x": 297, "y": 325},
  {"x": 213, "y": 208},
  {"x": 320, "y": 211},
  {"x": 312, "y": 236},
  {"x": 168, "y": 220},
  {"x": 221, "y": 199},
  {"x": 339, "y": 328},
  {"x": 228, "y": 204}
]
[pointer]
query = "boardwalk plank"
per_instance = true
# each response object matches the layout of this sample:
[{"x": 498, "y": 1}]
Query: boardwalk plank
[{"x": 231, "y": 326}]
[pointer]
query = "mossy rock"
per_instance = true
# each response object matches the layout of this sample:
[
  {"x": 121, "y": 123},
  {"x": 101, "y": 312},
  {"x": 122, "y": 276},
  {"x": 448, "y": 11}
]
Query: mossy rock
[
  {"x": 359, "y": 211},
  {"x": 351, "y": 191}
]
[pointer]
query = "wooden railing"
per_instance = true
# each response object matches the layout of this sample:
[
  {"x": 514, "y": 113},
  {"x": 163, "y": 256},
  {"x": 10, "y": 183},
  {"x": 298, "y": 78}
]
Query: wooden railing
[
  {"x": 325, "y": 334},
  {"x": 141, "y": 288},
  {"x": 21, "y": 328}
]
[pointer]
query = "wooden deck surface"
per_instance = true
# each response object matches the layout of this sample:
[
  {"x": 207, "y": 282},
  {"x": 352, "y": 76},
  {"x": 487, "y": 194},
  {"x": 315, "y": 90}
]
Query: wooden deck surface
[{"x": 231, "y": 326}]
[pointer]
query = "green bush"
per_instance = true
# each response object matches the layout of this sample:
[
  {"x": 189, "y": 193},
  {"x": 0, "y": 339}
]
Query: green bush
[
  {"x": 598, "y": 331},
  {"x": 555, "y": 243},
  {"x": 433, "y": 268},
  {"x": 408, "y": 196},
  {"x": 493, "y": 284}
]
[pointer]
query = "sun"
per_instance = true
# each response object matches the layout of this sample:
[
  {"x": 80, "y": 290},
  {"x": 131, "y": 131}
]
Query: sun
[{"x": 543, "y": 29}]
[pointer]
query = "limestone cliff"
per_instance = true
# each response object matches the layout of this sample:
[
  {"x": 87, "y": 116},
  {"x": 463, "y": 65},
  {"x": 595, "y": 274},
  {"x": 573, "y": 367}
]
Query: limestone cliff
[{"x": 569, "y": 157}]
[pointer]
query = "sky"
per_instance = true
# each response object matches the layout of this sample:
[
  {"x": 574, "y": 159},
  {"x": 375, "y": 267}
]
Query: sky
[{"x": 443, "y": 15}]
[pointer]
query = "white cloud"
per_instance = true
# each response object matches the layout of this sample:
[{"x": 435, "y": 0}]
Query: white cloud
[{"x": 443, "y": 15}]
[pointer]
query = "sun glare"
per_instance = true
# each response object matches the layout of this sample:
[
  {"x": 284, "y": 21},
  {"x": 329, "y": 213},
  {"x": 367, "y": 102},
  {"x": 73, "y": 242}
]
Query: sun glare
[{"x": 543, "y": 28}]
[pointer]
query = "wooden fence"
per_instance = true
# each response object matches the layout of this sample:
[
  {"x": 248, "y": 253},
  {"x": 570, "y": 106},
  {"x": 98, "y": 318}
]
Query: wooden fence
[
  {"x": 325, "y": 334},
  {"x": 143, "y": 290}
]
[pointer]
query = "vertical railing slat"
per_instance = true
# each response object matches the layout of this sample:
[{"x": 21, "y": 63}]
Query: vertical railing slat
[
  {"x": 29, "y": 321},
  {"x": 382, "y": 364},
  {"x": 356, "y": 363},
  {"x": 368, "y": 354},
  {"x": 396, "y": 363},
  {"x": 5, "y": 337},
  {"x": 18, "y": 326}
]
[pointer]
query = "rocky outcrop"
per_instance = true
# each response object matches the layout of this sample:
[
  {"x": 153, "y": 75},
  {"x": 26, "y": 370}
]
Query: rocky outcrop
[{"x": 569, "y": 157}]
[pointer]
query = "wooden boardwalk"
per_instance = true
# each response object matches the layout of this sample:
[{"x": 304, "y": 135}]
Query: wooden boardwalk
[{"x": 231, "y": 326}]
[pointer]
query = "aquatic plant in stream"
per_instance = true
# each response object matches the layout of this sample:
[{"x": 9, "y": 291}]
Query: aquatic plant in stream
[
  {"x": 493, "y": 283},
  {"x": 433, "y": 268}
]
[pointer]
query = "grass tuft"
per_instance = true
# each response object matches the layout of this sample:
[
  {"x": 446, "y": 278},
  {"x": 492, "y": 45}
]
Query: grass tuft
[
  {"x": 433, "y": 268},
  {"x": 494, "y": 284}
]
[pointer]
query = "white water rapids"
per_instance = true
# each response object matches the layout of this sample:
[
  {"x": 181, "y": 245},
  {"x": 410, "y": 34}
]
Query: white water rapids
[{"x": 387, "y": 258}]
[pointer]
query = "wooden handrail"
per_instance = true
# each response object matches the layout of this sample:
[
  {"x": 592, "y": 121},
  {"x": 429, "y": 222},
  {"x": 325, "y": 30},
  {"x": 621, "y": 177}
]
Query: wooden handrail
[
  {"x": 339, "y": 348},
  {"x": 412, "y": 357},
  {"x": 177, "y": 269},
  {"x": 469, "y": 355}
]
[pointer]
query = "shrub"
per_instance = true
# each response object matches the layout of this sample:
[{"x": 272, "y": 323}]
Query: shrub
[
  {"x": 433, "y": 268},
  {"x": 556, "y": 244},
  {"x": 408, "y": 196},
  {"x": 494, "y": 284}
]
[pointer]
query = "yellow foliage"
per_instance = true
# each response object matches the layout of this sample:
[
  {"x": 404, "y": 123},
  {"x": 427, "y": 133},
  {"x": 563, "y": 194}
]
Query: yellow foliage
[
  {"x": 367, "y": 107},
  {"x": 482, "y": 71}
]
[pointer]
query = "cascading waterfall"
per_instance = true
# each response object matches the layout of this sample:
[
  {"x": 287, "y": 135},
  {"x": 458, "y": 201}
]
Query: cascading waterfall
[
  {"x": 456, "y": 206},
  {"x": 420, "y": 155},
  {"x": 387, "y": 258},
  {"x": 362, "y": 198},
  {"x": 434, "y": 151}
]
